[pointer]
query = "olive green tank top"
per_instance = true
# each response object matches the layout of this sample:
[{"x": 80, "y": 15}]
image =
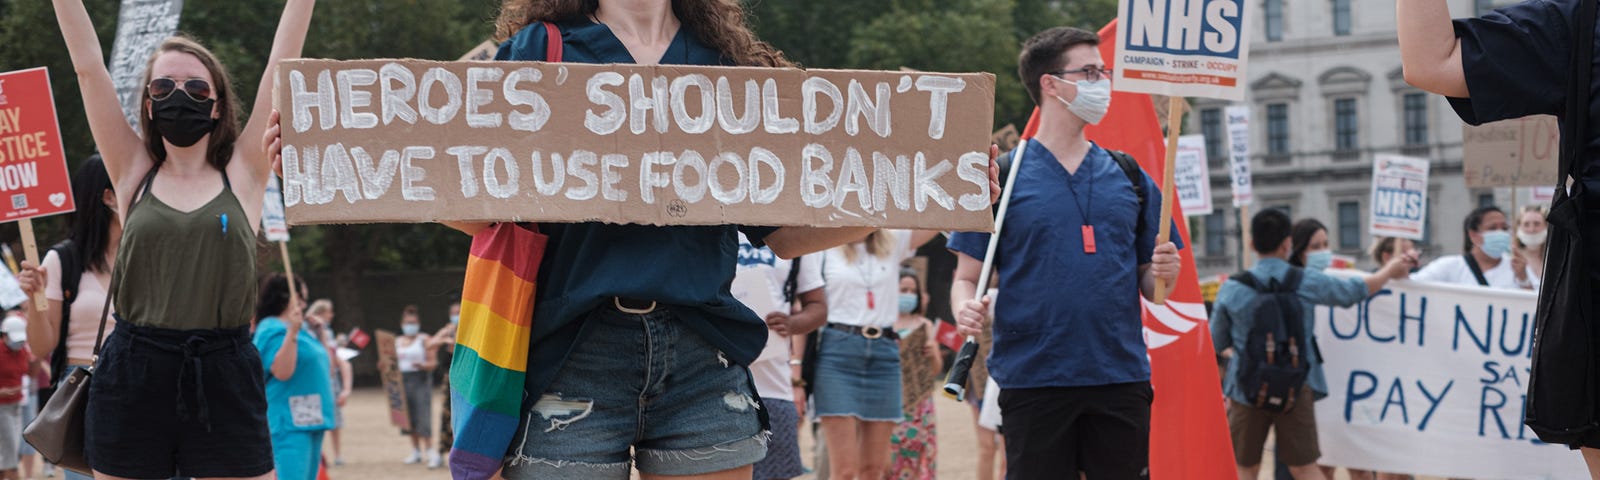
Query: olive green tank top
[{"x": 186, "y": 270}]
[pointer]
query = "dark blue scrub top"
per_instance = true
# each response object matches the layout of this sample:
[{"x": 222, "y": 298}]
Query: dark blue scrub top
[
  {"x": 687, "y": 267},
  {"x": 1516, "y": 61}
]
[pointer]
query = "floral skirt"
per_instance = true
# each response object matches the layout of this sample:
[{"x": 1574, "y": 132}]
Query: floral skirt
[{"x": 914, "y": 446}]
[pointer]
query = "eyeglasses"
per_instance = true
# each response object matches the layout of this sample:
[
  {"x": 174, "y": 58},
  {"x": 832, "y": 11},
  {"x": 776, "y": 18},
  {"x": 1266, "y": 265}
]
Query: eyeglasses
[
  {"x": 1092, "y": 73},
  {"x": 196, "y": 89}
]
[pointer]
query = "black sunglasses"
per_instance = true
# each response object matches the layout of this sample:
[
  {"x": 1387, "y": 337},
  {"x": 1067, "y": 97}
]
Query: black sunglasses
[
  {"x": 196, "y": 89},
  {"x": 1092, "y": 73}
]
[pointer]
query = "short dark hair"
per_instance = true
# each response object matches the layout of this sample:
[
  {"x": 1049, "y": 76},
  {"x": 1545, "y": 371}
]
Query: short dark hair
[
  {"x": 274, "y": 296},
  {"x": 1268, "y": 229},
  {"x": 1300, "y": 239},
  {"x": 1473, "y": 221},
  {"x": 1041, "y": 54},
  {"x": 410, "y": 310}
]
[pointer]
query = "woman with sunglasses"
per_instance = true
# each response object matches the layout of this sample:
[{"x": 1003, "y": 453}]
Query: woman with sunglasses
[{"x": 178, "y": 388}]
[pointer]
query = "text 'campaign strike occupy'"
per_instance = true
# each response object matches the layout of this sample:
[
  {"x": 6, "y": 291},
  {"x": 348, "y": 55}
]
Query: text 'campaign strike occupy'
[{"x": 417, "y": 141}]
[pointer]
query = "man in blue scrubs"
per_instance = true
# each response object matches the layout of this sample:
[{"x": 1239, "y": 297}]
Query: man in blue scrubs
[{"x": 1076, "y": 253}]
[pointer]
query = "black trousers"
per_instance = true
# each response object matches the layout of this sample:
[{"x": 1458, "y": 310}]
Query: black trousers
[{"x": 1055, "y": 432}]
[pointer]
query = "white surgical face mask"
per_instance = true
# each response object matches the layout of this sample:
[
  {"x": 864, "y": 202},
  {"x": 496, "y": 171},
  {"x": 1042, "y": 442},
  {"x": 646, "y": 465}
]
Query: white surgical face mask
[
  {"x": 410, "y": 328},
  {"x": 1094, "y": 100},
  {"x": 1496, "y": 243},
  {"x": 1533, "y": 239}
]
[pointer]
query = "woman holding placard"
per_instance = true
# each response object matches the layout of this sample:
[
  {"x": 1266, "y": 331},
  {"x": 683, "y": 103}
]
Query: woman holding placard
[{"x": 178, "y": 387}]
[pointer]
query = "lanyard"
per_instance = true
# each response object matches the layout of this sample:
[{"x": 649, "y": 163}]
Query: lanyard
[{"x": 1083, "y": 212}]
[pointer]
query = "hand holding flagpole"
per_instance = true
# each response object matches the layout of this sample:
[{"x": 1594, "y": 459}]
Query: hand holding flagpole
[{"x": 956, "y": 385}]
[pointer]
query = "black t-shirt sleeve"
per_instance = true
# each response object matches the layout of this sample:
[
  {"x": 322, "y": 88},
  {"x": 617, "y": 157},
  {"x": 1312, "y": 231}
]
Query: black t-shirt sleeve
[
  {"x": 1515, "y": 61},
  {"x": 757, "y": 235}
]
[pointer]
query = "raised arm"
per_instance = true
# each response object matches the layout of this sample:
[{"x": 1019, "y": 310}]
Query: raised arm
[
  {"x": 118, "y": 143},
  {"x": 1430, "y": 53},
  {"x": 287, "y": 43}
]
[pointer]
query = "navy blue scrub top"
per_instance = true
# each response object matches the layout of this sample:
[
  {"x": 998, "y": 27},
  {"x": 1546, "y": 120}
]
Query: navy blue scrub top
[
  {"x": 687, "y": 267},
  {"x": 1516, "y": 60}
]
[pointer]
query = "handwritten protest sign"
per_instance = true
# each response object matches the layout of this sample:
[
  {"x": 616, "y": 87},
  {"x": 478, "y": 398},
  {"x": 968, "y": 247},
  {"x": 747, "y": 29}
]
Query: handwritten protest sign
[
  {"x": 394, "y": 385},
  {"x": 1192, "y": 48},
  {"x": 1427, "y": 379},
  {"x": 1399, "y": 196},
  {"x": 1517, "y": 152},
  {"x": 421, "y": 141},
  {"x": 33, "y": 170},
  {"x": 141, "y": 27},
  {"x": 1238, "y": 121},
  {"x": 273, "y": 224},
  {"x": 1193, "y": 176}
]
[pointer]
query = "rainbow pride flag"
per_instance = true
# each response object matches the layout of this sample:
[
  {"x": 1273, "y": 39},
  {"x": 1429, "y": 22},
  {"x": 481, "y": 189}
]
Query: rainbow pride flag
[{"x": 491, "y": 354}]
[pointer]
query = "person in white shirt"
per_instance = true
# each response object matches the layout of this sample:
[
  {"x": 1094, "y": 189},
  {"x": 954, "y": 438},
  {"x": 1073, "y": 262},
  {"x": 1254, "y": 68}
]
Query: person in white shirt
[
  {"x": 796, "y": 310},
  {"x": 1487, "y": 259},
  {"x": 1532, "y": 231}
]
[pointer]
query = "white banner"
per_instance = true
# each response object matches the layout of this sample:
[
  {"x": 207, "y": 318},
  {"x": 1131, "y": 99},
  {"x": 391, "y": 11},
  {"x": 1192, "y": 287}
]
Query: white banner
[
  {"x": 1238, "y": 118},
  {"x": 1193, "y": 176},
  {"x": 1190, "y": 48},
  {"x": 141, "y": 26},
  {"x": 1428, "y": 379},
  {"x": 1399, "y": 196},
  {"x": 273, "y": 223}
]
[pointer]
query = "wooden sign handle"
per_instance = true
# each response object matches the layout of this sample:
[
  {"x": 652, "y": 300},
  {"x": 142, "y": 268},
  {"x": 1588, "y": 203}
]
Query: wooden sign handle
[
  {"x": 1168, "y": 190},
  {"x": 294, "y": 294},
  {"x": 30, "y": 251}
]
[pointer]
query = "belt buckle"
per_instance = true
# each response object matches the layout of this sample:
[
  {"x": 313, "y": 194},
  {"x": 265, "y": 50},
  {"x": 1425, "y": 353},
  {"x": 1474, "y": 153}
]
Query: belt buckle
[
  {"x": 872, "y": 333},
  {"x": 617, "y": 302}
]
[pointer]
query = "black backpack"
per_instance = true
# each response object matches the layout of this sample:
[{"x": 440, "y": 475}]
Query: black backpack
[
  {"x": 71, "y": 273},
  {"x": 1276, "y": 359}
]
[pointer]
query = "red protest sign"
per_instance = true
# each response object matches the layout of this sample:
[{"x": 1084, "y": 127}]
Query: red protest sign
[
  {"x": 33, "y": 170},
  {"x": 359, "y": 338}
]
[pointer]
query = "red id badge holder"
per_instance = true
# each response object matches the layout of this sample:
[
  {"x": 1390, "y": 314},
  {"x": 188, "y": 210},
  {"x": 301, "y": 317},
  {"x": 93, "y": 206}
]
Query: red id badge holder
[{"x": 1088, "y": 239}]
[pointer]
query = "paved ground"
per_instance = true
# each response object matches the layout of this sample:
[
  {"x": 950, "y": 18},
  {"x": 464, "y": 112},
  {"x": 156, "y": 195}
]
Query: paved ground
[{"x": 373, "y": 450}]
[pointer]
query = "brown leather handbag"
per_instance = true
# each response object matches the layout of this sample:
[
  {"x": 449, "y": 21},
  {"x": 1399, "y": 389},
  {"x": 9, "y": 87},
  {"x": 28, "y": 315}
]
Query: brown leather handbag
[{"x": 57, "y": 431}]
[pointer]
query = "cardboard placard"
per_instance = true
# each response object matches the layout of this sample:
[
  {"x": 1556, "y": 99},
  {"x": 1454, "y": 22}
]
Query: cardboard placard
[
  {"x": 33, "y": 169},
  {"x": 421, "y": 141},
  {"x": 1193, "y": 176},
  {"x": 1399, "y": 196},
  {"x": 918, "y": 377},
  {"x": 1007, "y": 138},
  {"x": 1190, "y": 48},
  {"x": 1517, "y": 152},
  {"x": 141, "y": 27},
  {"x": 273, "y": 224},
  {"x": 1238, "y": 122},
  {"x": 394, "y": 384}
]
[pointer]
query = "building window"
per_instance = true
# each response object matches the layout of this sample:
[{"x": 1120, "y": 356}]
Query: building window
[
  {"x": 1345, "y": 137},
  {"x": 1486, "y": 200},
  {"x": 1479, "y": 7},
  {"x": 1216, "y": 234},
  {"x": 1274, "y": 20},
  {"x": 1341, "y": 17},
  {"x": 1278, "y": 129},
  {"x": 1349, "y": 225},
  {"x": 1416, "y": 105},
  {"x": 1211, "y": 126}
]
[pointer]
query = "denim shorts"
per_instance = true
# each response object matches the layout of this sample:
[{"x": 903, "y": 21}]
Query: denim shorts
[
  {"x": 647, "y": 383},
  {"x": 166, "y": 403},
  {"x": 858, "y": 377}
]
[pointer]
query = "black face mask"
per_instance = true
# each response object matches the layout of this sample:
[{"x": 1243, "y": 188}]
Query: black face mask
[{"x": 182, "y": 120}]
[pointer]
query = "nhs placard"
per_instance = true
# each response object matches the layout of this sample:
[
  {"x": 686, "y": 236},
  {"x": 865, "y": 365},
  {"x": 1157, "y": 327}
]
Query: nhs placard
[{"x": 1190, "y": 48}]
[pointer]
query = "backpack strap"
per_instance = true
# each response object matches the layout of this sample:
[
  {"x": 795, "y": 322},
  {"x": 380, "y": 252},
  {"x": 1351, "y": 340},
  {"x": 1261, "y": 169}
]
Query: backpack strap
[
  {"x": 1130, "y": 167},
  {"x": 1477, "y": 271},
  {"x": 1246, "y": 279},
  {"x": 552, "y": 45},
  {"x": 1291, "y": 280}
]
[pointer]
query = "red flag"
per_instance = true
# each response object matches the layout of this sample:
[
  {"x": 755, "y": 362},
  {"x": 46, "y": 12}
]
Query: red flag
[{"x": 1188, "y": 429}]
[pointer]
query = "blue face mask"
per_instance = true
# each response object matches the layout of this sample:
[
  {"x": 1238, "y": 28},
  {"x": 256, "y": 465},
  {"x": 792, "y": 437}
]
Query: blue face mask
[
  {"x": 455, "y": 319},
  {"x": 1319, "y": 260},
  {"x": 1496, "y": 243},
  {"x": 908, "y": 302},
  {"x": 410, "y": 328}
]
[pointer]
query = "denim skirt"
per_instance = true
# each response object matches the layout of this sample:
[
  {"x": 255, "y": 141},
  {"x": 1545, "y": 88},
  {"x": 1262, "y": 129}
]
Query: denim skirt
[{"x": 857, "y": 377}]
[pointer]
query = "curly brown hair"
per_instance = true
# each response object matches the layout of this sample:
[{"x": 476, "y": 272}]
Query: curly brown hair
[{"x": 718, "y": 23}]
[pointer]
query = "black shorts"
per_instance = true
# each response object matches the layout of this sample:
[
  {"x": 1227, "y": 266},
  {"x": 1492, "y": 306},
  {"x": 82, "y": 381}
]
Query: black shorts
[
  {"x": 166, "y": 403},
  {"x": 1055, "y": 432}
]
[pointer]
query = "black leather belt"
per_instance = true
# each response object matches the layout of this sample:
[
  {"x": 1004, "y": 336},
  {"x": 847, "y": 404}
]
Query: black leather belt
[
  {"x": 869, "y": 332},
  {"x": 634, "y": 305}
]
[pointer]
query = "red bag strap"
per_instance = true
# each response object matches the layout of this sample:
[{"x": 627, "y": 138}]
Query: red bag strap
[{"x": 552, "y": 52}]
